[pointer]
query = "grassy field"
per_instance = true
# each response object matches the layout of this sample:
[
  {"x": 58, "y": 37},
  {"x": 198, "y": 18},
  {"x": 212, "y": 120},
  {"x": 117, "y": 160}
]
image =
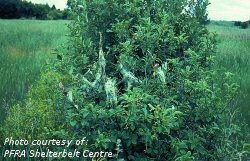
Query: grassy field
[
  {"x": 234, "y": 55},
  {"x": 26, "y": 44},
  {"x": 25, "y": 47}
]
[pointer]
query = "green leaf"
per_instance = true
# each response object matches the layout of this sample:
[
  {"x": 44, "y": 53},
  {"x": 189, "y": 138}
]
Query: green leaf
[{"x": 73, "y": 123}]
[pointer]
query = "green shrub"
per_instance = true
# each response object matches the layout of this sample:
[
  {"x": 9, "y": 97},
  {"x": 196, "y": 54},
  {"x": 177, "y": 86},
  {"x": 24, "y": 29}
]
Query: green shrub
[
  {"x": 244, "y": 25},
  {"x": 40, "y": 115},
  {"x": 149, "y": 91},
  {"x": 237, "y": 23}
]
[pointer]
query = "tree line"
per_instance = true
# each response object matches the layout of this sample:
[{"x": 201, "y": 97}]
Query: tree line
[
  {"x": 16, "y": 9},
  {"x": 243, "y": 25}
]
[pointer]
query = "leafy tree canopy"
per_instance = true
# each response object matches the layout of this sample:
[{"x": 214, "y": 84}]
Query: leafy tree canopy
[{"x": 15, "y": 9}]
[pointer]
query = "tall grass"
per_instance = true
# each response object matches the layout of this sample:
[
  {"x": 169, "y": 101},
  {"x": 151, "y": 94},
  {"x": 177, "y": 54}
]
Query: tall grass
[
  {"x": 234, "y": 55},
  {"x": 25, "y": 45}
]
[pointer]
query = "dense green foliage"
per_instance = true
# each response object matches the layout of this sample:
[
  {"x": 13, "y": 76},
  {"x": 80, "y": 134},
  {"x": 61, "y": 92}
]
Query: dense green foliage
[
  {"x": 237, "y": 23},
  {"x": 15, "y": 9},
  {"x": 244, "y": 25},
  {"x": 138, "y": 79},
  {"x": 177, "y": 110}
]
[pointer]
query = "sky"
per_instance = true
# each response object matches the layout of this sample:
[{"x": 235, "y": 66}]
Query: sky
[
  {"x": 218, "y": 9},
  {"x": 229, "y": 10},
  {"x": 61, "y": 4}
]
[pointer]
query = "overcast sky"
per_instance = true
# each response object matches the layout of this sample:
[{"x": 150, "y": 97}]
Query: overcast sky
[
  {"x": 218, "y": 10},
  {"x": 229, "y": 10},
  {"x": 58, "y": 3}
]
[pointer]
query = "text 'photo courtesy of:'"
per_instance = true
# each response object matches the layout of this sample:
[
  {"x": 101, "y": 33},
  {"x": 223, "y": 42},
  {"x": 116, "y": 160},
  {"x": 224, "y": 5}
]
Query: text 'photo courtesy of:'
[{"x": 124, "y": 80}]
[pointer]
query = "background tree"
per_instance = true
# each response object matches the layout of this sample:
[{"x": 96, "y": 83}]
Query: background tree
[
  {"x": 15, "y": 9},
  {"x": 244, "y": 25},
  {"x": 9, "y": 8}
]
